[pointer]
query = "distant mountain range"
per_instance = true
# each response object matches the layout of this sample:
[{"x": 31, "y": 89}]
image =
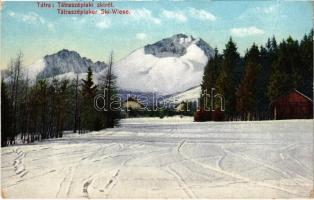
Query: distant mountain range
[{"x": 169, "y": 66}]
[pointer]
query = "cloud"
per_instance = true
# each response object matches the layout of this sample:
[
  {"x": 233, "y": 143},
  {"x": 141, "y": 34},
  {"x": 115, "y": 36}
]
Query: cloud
[
  {"x": 141, "y": 36},
  {"x": 246, "y": 31},
  {"x": 144, "y": 15},
  {"x": 182, "y": 16},
  {"x": 261, "y": 13},
  {"x": 175, "y": 15},
  {"x": 104, "y": 23},
  {"x": 51, "y": 27},
  {"x": 32, "y": 18},
  {"x": 11, "y": 13},
  {"x": 202, "y": 15},
  {"x": 267, "y": 10}
]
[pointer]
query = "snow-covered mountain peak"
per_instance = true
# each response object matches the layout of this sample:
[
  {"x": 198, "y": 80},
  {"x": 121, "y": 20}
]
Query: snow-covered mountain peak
[
  {"x": 175, "y": 46},
  {"x": 66, "y": 61},
  {"x": 64, "y": 53},
  {"x": 170, "y": 65},
  {"x": 182, "y": 39}
]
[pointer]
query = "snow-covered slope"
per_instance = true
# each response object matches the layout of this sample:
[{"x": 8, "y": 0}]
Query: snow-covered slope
[
  {"x": 34, "y": 69},
  {"x": 30, "y": 71},
  {"x": 190, "y": 95},
  {"x": 169, "y": 158},
  {"x": 171, "y": 65}
]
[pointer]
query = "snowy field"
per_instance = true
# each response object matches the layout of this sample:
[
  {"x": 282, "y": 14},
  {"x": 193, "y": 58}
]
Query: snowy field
[{"x": 166, "y": 158}]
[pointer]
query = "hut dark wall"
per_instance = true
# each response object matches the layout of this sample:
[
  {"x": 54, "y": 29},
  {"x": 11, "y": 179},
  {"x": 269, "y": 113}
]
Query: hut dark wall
[{"x": 293, "y": 105}]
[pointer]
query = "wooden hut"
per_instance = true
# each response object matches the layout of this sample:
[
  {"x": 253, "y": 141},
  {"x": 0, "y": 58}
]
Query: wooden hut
[
  {"x": 132, "y": 107},
  {"x": 293, "y": 105}
]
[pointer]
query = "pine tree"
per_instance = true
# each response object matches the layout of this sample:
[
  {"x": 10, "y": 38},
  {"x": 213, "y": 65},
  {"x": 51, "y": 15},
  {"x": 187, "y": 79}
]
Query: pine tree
[
  {"x": 61, "y": 107},
  {"x": 274, "y": 46},
  {"x": 293, "y": 64},
  {"x": 306, "y": 66},
  {"x": 42, "y": 92},
  {"x": 209, "y": 77},
  {"x": 112, "y": 105},
  {"x": 246, "y": 92},
  {"x": 285, "y": 72},
  {"x": 229, "y": 75},
  {"x": 52, "y": 104},
  {"x": 88, "y": 94},
  {"x": 77, "y": 105},
  {"x": 24, "y": 111},
  {"x": 38, "y": 111},
  {"x": 206, "y": 84},
  {"x": 6, "y": 118},
  {"x": 268, "y": 56}
]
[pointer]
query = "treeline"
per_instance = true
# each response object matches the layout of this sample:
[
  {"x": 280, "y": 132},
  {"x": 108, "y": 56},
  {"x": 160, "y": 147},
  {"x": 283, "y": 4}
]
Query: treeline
[
  {"x": 33, "y": 111},
  {"x": 248, "y": 84}
]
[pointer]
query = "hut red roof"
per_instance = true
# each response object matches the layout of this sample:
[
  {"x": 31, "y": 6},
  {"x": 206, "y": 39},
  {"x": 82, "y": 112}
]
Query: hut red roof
[{"x": 293, "y": 105}]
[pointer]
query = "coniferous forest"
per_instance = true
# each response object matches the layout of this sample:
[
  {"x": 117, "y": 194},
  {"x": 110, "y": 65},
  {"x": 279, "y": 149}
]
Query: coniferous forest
[
  {"x": 45, "y": 109},
  {"x": 250, "y": 83}
]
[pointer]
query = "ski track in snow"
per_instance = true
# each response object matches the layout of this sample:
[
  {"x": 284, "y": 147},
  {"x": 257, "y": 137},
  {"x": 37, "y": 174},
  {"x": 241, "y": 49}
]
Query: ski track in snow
[
  {"x": 166, "y": 158},
  {"x": 18, "y": 164}
]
